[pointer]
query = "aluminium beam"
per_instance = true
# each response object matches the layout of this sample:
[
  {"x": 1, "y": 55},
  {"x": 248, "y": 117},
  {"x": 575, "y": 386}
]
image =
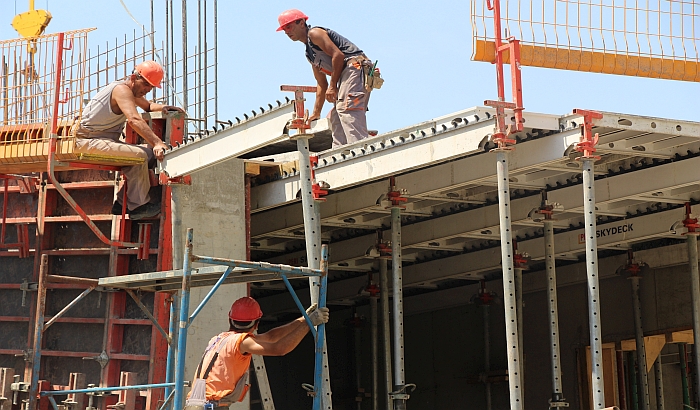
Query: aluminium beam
[
  {"x": 234, "y": 140},
  {"x": 395, "y": 154},
  {"x": 658, "y": 179},
  {"x": 475, "y": 264}
]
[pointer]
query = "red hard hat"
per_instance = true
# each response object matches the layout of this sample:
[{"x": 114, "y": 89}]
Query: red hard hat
[
  {"x": 290, "y": 16},
  {"x": 245, "y": 309},
  {"x": 151, "y": 71}
]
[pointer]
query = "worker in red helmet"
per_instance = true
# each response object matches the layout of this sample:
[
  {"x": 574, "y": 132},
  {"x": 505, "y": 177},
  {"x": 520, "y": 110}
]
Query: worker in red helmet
[
  {"x": 226, "y": 360},
  {"x": 332, "y": 55},
  {"x": 101, "y": 126}
]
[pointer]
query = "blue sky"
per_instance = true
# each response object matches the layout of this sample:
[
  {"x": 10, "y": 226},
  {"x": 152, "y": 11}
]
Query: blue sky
[{"x": 423, "y": 48}]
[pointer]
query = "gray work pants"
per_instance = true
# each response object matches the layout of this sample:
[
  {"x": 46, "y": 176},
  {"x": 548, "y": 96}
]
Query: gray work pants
[
  {"x": 348, "y": 117},
  {"x": 138, "y": 182}
]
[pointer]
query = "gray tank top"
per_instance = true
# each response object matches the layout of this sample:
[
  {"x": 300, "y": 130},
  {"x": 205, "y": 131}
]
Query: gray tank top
[
  {"x": 319, "y": 59},
  {"x": 99, "y": 121}
]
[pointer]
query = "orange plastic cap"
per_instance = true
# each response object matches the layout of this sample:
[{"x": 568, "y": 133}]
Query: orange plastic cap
[
  {"x": 290, "y": 16},
  {"x": 151, "y": 72}
]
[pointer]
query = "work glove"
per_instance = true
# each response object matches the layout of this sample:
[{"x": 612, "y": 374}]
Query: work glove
[{"x": 317, "y": 315}]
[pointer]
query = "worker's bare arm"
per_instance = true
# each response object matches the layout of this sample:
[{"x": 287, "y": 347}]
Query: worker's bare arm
[
  {"x": 279, "y": 332},
  {"x": 263, "y": 346},
  {"x": 320, "y": 37},
  {"x": 321, "y": 87},
  {"x": 153, "y": 107},
  {"x": 126, "y": 102}
]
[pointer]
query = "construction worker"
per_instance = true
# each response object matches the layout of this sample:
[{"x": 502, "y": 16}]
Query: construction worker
[
  {"x": 226, "y": 360},
  {"x": 331, "y": 54},
  {"x": 102, "y": 124}
]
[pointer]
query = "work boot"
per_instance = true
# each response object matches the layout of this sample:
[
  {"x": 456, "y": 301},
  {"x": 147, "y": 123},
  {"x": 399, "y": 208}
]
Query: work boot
[
  {"x": 116, "y": 208},
  {"x": 147, "y": 210}
]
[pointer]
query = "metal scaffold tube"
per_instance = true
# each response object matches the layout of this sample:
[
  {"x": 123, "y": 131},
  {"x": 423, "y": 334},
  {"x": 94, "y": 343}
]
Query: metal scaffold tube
[
  {"x": 682, "y": 360},
  {"x": 487, "y": 353},
  {"x": 519, "y": 309},
  {"x": 692, "y": 241},
  {"x": 312, "y": 233},
  {"x": 659, "y": 378},
  {"x": 557, "y": 399},
  {"x": 639, "y": 341},
  {"x": 509, "y": 302},
  {"x": 178, "y": 400},
  {"x": 386, "y": 330},
  {"x": 594, "y": 325},
  {"x": 375, "y": 350},
  {"x": 397, "y": 281}
]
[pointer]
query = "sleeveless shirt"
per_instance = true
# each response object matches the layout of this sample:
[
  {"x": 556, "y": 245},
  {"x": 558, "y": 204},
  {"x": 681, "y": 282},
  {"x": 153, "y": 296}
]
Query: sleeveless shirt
[
  {"x": 323, "y": 61},
  {"x": 98, "y": 116}
]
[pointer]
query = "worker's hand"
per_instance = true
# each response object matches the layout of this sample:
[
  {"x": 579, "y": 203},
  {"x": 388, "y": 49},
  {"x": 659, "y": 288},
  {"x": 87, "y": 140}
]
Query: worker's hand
[
  {"x": 332, "y": 94},
  {"x": 159, "y": 151},
  {"x": 168, "y": 108},
  {"x": 319, "y": 316},
  {"x": 311, "y": 308},
  {"x": 313, "y": 117}
]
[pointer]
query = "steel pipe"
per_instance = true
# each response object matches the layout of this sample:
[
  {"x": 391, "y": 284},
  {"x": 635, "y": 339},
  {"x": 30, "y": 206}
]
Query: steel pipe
[
  {"x": 487, "y": 354},
  {"x": 550, "y": 267},
  {"x": 386, "y": 330},
  {"x": 509, "y": 302},
  {"x": 178, "y": 400},
  {"x": 519, "y": 309},
  {"x": 173, "y": 333},
  {"x": 375, "y": 351},
  {"x": 683, "y": 360},
  {"x": 594, "y": 325},
  {"x": 639, "y": 342},
  {"x": 396, "y": 265},
  {"x": 312, "y": 233},
  {"x": 659, "y": 378},
  {"x": 38, "y": 333},
  {"x": 692, "y": 241}
]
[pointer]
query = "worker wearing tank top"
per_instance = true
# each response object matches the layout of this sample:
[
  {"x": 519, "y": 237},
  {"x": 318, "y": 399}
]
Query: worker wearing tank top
[
  {"x": 102, "y": 124},
  {"x": 332, "y": 55}
]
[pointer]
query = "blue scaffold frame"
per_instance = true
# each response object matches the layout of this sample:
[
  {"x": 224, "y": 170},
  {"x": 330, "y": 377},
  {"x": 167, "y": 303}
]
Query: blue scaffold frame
[{"x": 177, "y": 346}]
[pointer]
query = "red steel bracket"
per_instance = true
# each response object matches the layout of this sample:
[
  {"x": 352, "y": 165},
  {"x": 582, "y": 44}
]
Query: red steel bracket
[
  {"x": 588, "y": 139},
  {"x": 144, "y": 242},
  {"x": 166, "y": 180},
  {"x": 690, "y": 223},
  {"x": 301, "y": 116},
  {"x": 316, "y": 190}
]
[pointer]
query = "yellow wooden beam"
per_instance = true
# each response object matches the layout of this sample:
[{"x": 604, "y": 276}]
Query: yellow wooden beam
[{"x": 595, "y": 62}]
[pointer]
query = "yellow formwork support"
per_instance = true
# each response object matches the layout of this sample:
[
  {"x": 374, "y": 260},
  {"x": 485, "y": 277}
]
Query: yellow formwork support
[{"x": 594, "y": 61}]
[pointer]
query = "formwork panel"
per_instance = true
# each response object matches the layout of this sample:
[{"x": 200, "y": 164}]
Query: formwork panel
[
  {"x": 73, "y": 235},
  {"x": 93, "y": 201},
  {"x": 91, "y": 306},
  {"x": 137, "y": 340},
  {"x": 14, "y": 335},
  {"x": 74, "y": 337},
  {"x": 133, "y": 311},
  {"x": 58, "y": 369},
  {"x": 11, "y": 304},
  {"x": 15, "y": 270},
  {"x": 81, "y": 266}
]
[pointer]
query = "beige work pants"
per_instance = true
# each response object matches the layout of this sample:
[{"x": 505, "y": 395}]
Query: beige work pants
[
  {"x": 138, "y": 183},
  {"x": 349, "y": 115}
]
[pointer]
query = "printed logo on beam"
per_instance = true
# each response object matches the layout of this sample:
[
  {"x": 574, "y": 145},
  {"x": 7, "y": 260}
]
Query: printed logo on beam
[{"x": 615, "y": 230}]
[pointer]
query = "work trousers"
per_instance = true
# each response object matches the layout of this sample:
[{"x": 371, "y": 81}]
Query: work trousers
[
  {"x": 138, "y": 182},
  {"x": 348, "y": 117}
]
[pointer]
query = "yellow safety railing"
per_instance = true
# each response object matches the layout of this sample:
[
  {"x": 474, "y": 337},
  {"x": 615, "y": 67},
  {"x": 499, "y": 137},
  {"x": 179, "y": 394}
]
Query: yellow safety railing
[{"x": 651, "y": 38}]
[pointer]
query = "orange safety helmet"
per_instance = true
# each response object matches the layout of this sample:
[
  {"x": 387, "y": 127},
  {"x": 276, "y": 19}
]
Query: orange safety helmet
[
  {"x": 151, "y": 71},
  {"x": 290, "y": 16},
  {"x": 245, "y": 309}
]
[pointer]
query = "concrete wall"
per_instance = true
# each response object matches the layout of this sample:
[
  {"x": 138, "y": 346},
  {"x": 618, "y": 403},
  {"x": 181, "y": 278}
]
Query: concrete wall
[
  {"x": 444, "y": 341},
  {"x": 214, "y": 206}
]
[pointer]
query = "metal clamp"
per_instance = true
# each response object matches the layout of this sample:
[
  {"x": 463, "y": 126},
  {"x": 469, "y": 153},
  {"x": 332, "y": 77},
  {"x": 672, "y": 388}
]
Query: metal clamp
[
  {"x": 402, "y": 394},
  {"x": 309, "y": 389},
  {"x": 588, "y": 139}
]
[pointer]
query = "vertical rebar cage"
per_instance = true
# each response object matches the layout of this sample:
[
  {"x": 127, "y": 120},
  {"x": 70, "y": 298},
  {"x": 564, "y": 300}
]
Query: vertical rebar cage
[
  {"x": 644, "y": 38},
  {"x": 27, "y": 88}
]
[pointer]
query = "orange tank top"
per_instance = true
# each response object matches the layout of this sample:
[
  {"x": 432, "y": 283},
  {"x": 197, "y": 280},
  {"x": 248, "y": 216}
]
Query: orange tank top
[{"x": 229, "y": 366}]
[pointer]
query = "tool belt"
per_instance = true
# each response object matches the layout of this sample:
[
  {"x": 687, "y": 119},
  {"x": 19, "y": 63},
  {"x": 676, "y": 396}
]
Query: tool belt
[{"x": 370, "y": 73}]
